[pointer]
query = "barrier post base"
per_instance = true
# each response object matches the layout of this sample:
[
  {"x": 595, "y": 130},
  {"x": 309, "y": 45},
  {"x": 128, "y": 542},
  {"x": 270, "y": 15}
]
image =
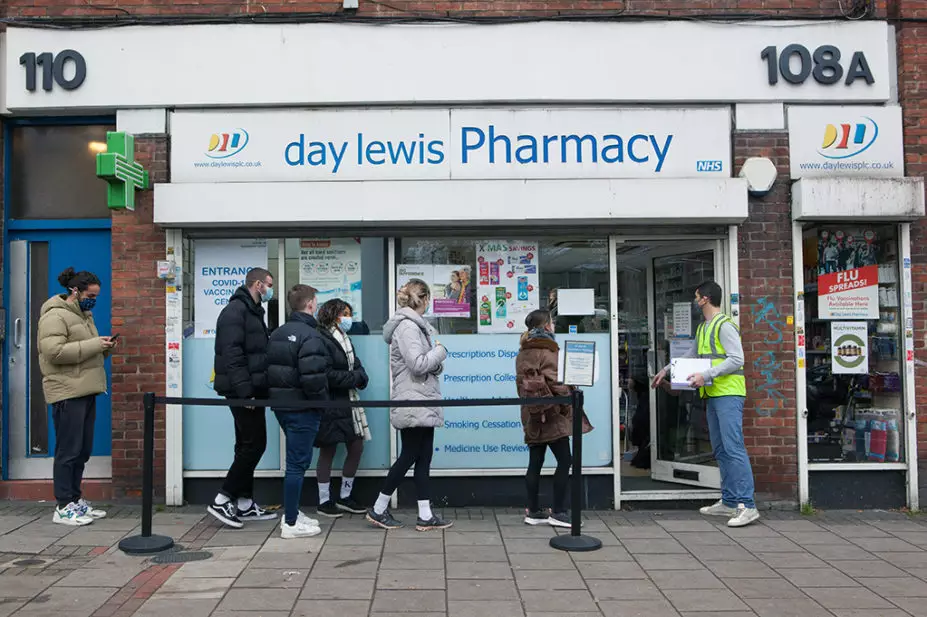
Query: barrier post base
[
  {"x": 146, "y": 545},
  {"x": 578, "y": 544}
]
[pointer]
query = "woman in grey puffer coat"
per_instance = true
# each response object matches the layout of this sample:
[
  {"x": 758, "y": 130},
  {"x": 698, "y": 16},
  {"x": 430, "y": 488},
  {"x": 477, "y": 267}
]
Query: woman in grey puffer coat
[{"x": 416, "y": 360}]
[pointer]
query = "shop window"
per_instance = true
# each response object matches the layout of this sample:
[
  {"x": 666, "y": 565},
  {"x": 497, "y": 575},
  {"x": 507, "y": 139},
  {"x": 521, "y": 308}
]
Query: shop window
[
  {"x": 852, "y": 344},
  {"x": 53, "y": 172},
  {"x": 482, "y": 290}
]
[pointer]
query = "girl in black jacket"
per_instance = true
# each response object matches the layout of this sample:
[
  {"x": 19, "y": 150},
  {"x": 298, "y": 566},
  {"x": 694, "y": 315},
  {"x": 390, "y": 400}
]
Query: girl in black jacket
[{"x": 348, "y": 425}]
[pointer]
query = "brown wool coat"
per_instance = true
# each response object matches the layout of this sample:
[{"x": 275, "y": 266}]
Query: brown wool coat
[{"x": 542, "y": 423}]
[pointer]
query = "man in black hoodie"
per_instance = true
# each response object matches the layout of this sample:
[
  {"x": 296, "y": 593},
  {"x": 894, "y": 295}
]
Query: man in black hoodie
[{"x": 241, "y": 373}]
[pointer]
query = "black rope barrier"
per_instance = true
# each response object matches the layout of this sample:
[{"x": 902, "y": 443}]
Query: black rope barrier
[{"x": 148, "y": 543}]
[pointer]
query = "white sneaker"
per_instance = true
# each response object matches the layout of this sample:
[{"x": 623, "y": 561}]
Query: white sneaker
[
  {"x": 89, "y": 510},
  {"x": 744, "y": 516},
  {"x": 71, "y": 514},
  {"x": 302, "y": 529},
  {"x": 301, "y": 517},
  {"x": 718, "y": 509}
]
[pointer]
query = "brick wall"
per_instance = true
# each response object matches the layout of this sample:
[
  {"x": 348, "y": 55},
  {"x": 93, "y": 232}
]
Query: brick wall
[
  {"x": 765, "y": 260},
  {"x": 480, "y": 8},
  {"x": 138, "y": 314}
]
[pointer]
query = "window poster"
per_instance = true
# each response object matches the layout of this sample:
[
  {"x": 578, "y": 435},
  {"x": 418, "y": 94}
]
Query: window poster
[
  {"x": 451, "y": 287},
  {"x": 507, "y": 284},
  {"x": 848, "y": 274},
  {"x": 221, "y": 268},
  {"x": 333, "y": 267}
]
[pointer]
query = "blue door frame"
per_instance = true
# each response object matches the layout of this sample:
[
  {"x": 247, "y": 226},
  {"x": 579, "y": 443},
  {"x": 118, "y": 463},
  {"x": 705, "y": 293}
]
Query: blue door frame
[{"x": 64, "y": 236}]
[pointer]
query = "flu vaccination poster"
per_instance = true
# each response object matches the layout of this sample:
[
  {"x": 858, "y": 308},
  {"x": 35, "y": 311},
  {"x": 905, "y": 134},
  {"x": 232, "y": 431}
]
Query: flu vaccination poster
[{"x": 507, "y": 284}]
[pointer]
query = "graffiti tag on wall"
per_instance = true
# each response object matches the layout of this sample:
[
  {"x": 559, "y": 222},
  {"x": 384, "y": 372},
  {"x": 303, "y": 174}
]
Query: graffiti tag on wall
[{"x": 767, "y": 317}]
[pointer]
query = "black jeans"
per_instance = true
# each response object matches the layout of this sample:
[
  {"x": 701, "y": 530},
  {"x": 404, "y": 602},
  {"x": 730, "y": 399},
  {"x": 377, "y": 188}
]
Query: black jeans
[
  {"x": 536, "y": 454},
  {"x": 250, "y": 443},
  {"x": 418, "y": 445},
  {"x": 73, "y": 419}
]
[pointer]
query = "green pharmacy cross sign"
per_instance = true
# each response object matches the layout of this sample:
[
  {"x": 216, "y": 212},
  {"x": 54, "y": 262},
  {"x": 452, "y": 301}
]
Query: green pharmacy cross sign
[{"x": 118, "y": 167}]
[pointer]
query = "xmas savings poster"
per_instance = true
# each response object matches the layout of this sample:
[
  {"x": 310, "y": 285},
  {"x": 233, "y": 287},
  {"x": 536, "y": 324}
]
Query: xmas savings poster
[{"x": 507, "y": 284}]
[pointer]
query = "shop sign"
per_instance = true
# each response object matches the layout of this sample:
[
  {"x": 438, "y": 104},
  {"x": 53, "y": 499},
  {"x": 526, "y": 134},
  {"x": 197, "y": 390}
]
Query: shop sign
[
  {"x": 444, "y": 144},
  {"x": 433, "y": 64},
  {"x": 118, "y": 167},
  {"x": 849, "y": 294},
  {"x": 849, "y": 347},
  {"x": 333, "y": 267},
  {"x": 221, "y": 268},
  {"x": 845, "y": 141}
]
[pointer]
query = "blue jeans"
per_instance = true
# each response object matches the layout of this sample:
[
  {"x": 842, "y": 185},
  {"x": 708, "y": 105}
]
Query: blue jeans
[
  {"x": 300, "y": 428},
  {"x": 726, "y": 429}
]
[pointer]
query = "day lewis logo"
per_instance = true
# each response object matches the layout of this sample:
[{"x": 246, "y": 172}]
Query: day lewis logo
[
  {"x": 118, "y": 167},
  {"x": 843, "y": 141}
]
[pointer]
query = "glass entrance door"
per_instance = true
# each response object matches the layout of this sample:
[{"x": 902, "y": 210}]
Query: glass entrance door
[{"x": 681, "y": 450}]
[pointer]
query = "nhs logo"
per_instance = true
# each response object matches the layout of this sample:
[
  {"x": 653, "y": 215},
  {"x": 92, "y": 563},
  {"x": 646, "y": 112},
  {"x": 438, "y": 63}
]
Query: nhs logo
[{"x": 702, "y": 166}]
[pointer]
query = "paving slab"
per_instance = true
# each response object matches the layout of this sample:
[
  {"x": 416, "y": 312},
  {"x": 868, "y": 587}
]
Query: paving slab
[
  {"x": 338, "y": 589},
  {"x": 100, "y": 577},
  {"x": 482, "y": 590},
  {"x": 686, "y": 579},
  {"x": 259, "y": 599},
  {"x": 162, "y": 606},
  {"x": 763, "y": 588},
  {"x": 14, "y": 587},
  {"x": 273, "y": 578},
  {"x": 476, "y": 608},
  {"x": 704, "y": 600},
  {"x": 639, "y": 608},
  {"x": 558, "y": 601},
  {"x": 404, "y": 601},
  {"x": 329, "y": 608},
  {"x": 603, "y": 590},
  {"x": 411, "y": 579}
]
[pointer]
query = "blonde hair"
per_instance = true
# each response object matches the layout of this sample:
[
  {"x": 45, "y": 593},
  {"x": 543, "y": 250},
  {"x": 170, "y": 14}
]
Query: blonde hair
[{"x": 414, "y": 295}]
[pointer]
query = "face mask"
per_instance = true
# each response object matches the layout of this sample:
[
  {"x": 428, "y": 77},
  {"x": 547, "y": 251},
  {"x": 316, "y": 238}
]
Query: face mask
[
  {"x": 696, "y": 304},
  {"x": 87, "y": 304},
  {"x": 268, "y": 294},
  {"x": 345, "y": 324}
]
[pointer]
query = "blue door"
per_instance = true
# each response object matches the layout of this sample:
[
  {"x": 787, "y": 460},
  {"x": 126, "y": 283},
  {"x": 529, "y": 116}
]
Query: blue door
[{"x": 34, "y": 261}]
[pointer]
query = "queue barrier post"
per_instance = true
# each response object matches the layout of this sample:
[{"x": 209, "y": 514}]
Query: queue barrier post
[
  {"x": 576, "y": 541},
  {"x": 147, "y": 543}
]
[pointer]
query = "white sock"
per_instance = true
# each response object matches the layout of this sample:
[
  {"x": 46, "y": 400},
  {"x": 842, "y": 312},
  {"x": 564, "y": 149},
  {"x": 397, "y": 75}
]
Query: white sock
[
  {"x": 382, "y": 504},
  {"x": 424, "y": 510},
  {"x": 221, "y": 499},
  {"x": 347, "y": 485},
  {"x": 324, "y": 492},
  {"x": 244, "y": 503}
]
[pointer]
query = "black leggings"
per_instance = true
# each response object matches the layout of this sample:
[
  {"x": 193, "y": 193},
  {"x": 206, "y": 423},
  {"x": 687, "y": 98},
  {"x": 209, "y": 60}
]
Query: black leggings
[
  {"x": 418, "y": 445},
  {"x": 536, "y": 453}
]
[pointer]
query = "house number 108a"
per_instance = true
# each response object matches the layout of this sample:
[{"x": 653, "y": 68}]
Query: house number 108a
[
  {"x": 823, "y": 65},
  {"x": 53, "y": 69}
]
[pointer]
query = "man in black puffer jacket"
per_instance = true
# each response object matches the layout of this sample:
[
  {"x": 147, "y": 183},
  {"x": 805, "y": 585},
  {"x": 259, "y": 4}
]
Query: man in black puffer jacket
[
  {"x": 298, "y": 363},
  {"x": 241, "y": 373}
]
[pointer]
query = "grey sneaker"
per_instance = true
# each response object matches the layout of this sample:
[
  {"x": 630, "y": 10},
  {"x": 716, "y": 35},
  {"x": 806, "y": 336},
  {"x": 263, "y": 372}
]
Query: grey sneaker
[
  {"x": 383, "y": 521},
  {"x": 718, "y": 509},
  {"x": 744, "y": 516}
]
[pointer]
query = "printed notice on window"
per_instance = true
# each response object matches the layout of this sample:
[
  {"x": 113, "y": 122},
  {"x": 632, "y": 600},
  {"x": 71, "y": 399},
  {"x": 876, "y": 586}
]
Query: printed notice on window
[{"x": 579, "y": 363}]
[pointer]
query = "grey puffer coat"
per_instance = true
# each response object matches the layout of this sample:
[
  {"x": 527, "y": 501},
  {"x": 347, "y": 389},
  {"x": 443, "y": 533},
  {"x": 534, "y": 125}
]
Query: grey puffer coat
[{"x": 415, "y": 363}]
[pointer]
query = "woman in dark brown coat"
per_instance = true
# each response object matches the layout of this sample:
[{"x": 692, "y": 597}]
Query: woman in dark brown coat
[{"x": 545, "y": 425}]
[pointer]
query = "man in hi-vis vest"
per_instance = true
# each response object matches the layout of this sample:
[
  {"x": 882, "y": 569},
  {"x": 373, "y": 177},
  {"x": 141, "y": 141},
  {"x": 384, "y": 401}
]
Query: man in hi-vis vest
[{"x": 718, "y": 339}]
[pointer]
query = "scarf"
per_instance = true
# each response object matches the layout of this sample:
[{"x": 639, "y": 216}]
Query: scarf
[
  {"x": 541, "y": 333},
  {"x": 358, "y": 414}
]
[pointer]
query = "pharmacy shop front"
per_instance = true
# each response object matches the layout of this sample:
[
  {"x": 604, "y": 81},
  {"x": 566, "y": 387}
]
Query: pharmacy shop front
[{"x": 501, "y": 211}]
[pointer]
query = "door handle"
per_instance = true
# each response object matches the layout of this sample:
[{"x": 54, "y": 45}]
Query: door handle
[{"x": 18, "y": 333}]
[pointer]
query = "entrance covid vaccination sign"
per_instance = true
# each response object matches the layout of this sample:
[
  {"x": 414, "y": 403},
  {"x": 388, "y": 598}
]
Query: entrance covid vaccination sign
[
  {"x": 221, "y": 268},
  {"x": 480, "y": 366}
]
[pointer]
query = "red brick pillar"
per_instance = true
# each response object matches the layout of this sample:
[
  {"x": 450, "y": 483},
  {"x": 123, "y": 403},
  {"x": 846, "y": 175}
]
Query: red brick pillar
[
  {"x": 912, "y": 91},
  {"x": 766, "y": 292},
  {"x": 138, "y": 315}
]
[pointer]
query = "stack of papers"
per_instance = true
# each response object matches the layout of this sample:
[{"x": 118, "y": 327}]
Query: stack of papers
[{"x": 681, "y": 368}]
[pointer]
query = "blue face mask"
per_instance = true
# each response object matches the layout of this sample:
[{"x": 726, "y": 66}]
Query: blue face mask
[
  {"x": 268, "y": 295},
  {"x": 345, "y": 324},
  {"x": 87, "y": 304}
]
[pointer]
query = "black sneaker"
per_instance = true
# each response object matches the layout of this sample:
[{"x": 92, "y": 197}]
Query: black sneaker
[
  {"x": 538, "y": 517},
  {"x": 435, "y": 522},
  {"x": 330, "y": 510},
  {"x": 227, "y": 513},
  {"x": 349, "y": 505},
  {"x": 561, "y": 519},
  {"x": 384, "y": 521},
  {"x": 256, "y": 513}
]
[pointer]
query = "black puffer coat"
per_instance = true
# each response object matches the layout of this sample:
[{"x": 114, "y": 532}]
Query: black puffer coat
[
  {"x": 241, "y": 343},
  {"x": 338, "y": 424},
  {"x": 298, "y": 361}
]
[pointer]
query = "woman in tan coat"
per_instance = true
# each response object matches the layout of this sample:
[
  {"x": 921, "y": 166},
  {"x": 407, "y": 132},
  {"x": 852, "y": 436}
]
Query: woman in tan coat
[
  {"x": 546, "y": 426},
  {"x": 71, "y": 354}
]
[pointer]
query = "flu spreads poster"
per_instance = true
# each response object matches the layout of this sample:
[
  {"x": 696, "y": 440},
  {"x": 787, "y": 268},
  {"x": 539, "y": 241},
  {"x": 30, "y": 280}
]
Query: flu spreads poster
[{"x": 507, "y": 284}]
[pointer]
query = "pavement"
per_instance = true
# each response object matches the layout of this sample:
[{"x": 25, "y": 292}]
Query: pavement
[{"x": 653, "y": 564}]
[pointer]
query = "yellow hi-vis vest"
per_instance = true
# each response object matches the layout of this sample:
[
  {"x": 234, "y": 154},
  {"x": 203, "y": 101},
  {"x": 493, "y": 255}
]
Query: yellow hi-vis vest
[{"x": 708, "y": 336}]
